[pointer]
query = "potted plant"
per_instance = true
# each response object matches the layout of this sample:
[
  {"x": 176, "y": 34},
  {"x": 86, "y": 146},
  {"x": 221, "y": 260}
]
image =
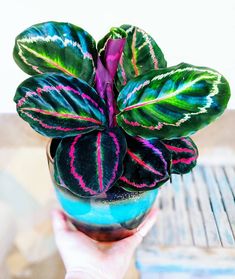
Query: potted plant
[{"x": 119, "y": 119}]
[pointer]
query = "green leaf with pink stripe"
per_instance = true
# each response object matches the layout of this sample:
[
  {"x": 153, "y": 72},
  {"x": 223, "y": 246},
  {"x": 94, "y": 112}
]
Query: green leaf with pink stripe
[
  {"x": 57, "y": 105},
  {"x": 56, "y": 47},
  {"x": 173, "y": 102},
  {"x": 184, "y": 154},
  {"x": 146, "y": 164},
  {"x": 141, "y": 54},
  {"x": 90, "y": 164}
]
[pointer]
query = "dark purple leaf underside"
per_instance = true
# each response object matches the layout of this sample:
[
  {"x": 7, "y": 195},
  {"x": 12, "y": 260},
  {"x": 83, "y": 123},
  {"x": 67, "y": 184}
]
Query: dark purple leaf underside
[
  {"x": 104, "y": 86},
  {"x": 107, "y": 65},
  {"x": 110, "y": 49},
  {"x": 112, "y": 55}
]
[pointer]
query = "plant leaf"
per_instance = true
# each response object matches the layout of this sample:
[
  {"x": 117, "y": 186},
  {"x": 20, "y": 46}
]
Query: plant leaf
[
  {"x": 56, "y": 47},
  {"x": 90, "y": 164},
  {"x": 172, "y": 102},
  {"x": 146, "y": 164},
  {"x": 140, "y": 55},
  {"x": 56, "y": 105},
  {"x": 110, "y": 49},
  {"x": 184, "y": 154}
]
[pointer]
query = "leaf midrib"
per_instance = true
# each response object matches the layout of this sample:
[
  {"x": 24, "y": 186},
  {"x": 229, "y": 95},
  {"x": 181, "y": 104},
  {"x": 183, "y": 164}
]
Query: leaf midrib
[
  {"x": 48, "y": 60},
  {"x": 63, "y": 115},
  {"x": 157, "y": 100}
]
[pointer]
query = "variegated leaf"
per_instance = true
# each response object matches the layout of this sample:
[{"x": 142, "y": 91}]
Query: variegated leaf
[
  {"x": 90, "y": 164},
  {"x": 172, "y": 102},
  {"x": 56, "y": 47},
  {"x": 184, "y": 154},
  {"x": 57, "y": 105},
  {"x": 146, "y": 164},
  {"x": 140, "y": 55}
]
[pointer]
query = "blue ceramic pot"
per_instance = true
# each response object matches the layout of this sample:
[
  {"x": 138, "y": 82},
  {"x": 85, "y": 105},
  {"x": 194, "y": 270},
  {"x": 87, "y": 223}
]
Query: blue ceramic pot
[{"x": 107, "y": 217}]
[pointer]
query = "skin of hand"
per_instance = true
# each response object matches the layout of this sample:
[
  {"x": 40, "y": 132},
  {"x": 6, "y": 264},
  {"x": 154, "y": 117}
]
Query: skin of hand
[{"x": 85, "y": 258}]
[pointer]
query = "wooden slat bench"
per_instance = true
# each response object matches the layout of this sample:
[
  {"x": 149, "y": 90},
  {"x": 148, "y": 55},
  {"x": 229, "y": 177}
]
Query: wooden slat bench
[{"x": 194, "y": 234}]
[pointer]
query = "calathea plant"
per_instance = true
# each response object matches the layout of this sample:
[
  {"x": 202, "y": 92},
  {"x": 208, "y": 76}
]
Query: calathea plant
[{"x": 123, "y": 118}]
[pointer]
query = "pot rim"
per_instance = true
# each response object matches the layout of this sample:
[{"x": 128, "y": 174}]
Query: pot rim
[{"x": 48, "y": 148}]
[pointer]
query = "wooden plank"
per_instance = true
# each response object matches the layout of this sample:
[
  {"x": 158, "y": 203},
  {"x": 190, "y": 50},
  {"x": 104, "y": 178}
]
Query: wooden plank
[
  {"x": 167, "y": 196},
  {"x": 156, "y": 235},
  {"x": 230, "y": 175},
  {"x": 159, "y": 198},
  {"x": 223, "y": 257},
  {"x": 187, "y": 260},
  {"x": 173, "y": 275},
  {"x": 195, "y": 215},
  {"x": 169, "y": 220},
  {"x": 221, "y": 218},
  {"x": 227, "y": 195},
  {"x": 204, "y": 200},
  {"x": 181, "y": 214},
  {"x": 212, "y": 233}
]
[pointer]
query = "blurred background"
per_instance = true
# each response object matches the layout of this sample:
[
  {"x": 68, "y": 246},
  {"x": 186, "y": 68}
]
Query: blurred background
[{"x": 196, "y": 32}]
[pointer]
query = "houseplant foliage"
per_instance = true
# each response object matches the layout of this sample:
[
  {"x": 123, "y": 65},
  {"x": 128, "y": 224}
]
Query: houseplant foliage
[{"x": 123, "y": 118}]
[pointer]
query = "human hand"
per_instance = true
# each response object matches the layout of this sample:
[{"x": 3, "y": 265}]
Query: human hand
[{"x": 85, "y": 258}]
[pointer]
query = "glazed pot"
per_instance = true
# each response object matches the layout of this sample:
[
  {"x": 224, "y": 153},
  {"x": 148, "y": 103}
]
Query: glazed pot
[{"x": 107, "y": 217}]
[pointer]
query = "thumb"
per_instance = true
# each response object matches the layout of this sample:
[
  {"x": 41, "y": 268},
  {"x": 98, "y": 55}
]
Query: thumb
[{"x": 59, "y": 221}]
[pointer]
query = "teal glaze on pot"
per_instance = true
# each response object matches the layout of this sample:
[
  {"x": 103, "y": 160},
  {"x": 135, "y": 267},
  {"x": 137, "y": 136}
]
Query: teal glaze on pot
[{"x": 101, "y": 211}]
